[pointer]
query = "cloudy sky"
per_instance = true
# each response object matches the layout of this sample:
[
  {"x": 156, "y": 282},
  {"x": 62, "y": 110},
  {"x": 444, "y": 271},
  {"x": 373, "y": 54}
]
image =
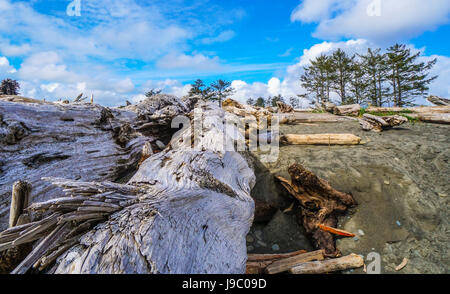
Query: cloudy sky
[{"x": 118, "y": 49}]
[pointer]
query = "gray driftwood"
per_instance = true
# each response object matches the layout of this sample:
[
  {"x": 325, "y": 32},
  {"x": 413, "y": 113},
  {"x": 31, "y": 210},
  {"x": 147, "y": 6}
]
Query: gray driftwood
[{"x": 184, "y": 211}]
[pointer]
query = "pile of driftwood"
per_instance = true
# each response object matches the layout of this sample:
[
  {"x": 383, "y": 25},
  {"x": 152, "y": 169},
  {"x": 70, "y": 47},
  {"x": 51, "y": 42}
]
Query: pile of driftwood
[
  {"x": 182, "y": 211},
  {"x": 301, "y": 262}
]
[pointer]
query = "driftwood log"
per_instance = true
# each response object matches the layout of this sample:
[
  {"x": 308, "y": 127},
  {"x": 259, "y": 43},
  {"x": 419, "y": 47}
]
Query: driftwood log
[
  {"x": 257, "y": 263},
  {"x": 286, "y": 264},
  {"x": 439, "y": 101},
  {"x": 320, "y": 139},
  {"x": 183, "y": 211},
  {"x": 330, "y": 265},
  {"x": 378, "y": 124},
  {"x": 320, "y": 205},
  {"x": 284, "y": 108},
  {"x": 437, "y": 118},
  {"x": 352, "y": 109}
]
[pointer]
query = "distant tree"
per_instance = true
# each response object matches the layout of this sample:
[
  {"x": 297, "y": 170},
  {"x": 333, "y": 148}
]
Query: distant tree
[
  {"x": 342, "y": 65},
  {"x": 153, "y": 92},
  {"x": 293, "y": 101},
  {"x": 359, "y": 83},
  {"x": 317, "y": 78},
  {"x": 375, "y": 66},
  {"x": 268, "y": 101},
  {"x": 9, "y": 87},
  {"x": 221, "y": 90},
  {"x": 198, "y": 88},
  {"x": 277, "y": 98},
  {"x": 251, "y": 101},
  {"x": 408, "y": 77},
  {"x": 260, "y": 102}
]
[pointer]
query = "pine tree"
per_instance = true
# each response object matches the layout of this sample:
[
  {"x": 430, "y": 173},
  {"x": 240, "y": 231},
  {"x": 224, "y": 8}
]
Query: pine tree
[
  {"x": 342, "y": 65},
  {"x": 408, "y": 77},
  {"x": 375, "y": 66},
  {"x": 275, "y": 99},
  {"x": 221, "y": 90},
  {"x": 9, "y": 87},
  {"x": 358, "y": 84},
  {"x": 250, "y": 101},
  {"x": 198, "y": 88},
  {"x": 260, "y": 102},
  {"x": 317, "y": 78},
  {"x": 293, "y": 101},
  {"x": 153, "y": 92}
]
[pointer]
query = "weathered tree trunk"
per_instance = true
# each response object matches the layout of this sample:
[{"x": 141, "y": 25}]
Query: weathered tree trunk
[
  {"x": 348, "y": 110},
  {"x": 421, "y": 109},
  {"x": 378, "y": 123},
  {"x": 320, "y": 205},
  {"x": 184, "y": 211},
  {"x": 437, "y": 118},
  {"x": 330, "y": 265},
  {"x": 320, "y": 139},
  {"x": 284, "y": 108},
  {"x": 286, "y": 264},
  {"x": 439, "y": 101}
]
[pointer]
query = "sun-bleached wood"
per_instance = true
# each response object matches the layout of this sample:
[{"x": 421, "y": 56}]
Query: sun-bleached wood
[
  {"x": 330, "y": 265},
  {"x": 320, "y": 139}
]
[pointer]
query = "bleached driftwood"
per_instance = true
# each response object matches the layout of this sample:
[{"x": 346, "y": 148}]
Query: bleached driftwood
[
  {"x": 347, "y": 110},
  {"x": 184, "y": 211},
  {"x": 75, "y": 141},
  {"x": 378, "y": 123},
  {"x": 330, "y": 265},
  {"x": 439, "y": 101},
  {"x": 420, "y": 109},
  {"x": 284, "y": 108},
  {"x": 437, "y": 118},
  {"x": 320, "y": 139}
]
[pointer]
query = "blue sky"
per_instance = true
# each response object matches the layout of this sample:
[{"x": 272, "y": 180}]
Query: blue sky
[{"x": 117, "y": 49}]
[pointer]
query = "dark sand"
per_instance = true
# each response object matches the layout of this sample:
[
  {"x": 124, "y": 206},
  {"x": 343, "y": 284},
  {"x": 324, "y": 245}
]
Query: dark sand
[{"x": 400, "y": 179}]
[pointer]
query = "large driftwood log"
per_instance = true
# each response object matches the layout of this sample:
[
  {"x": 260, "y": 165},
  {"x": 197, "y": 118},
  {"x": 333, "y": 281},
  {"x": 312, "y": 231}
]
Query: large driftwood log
[
  {"x": 352, "y": 110},
  {"x": 184, "y": 211},
  {"x": 439, "y": 101},
  {"x": 320, "y": 205},
  {"x": 320, "y": 139},
  {"x": 75, "y": 141},
  {"x": 330, "y": 265},
  {"x": 378, "y": 124},
  {"x": 420, "y": 109},
  {"x": 257, "y": 263},
  {"x": 437, "y": 118}
]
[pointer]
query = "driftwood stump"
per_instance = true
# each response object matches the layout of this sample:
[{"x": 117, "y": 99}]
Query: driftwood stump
[{"x": 320, "y": 205}]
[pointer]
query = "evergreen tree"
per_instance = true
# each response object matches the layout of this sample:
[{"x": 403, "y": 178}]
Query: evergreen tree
[
  {"x": 342, "y": 65},
  {"x": 251, "y": 101},
  {"x": 221, "y": 90},
  {"x": 375, "y": 66},
  {"x": 153, "y": 92},
  {"x": 358, "y": 84},
  {"x": 317, "y": 78},
  {"x": 260, "y": 102},
  {"x": 275, "y": 99},
  {"x": 408, "y": 77},
  {"x": 9, "y": 87},
  {"x": 293, "y": 101}
]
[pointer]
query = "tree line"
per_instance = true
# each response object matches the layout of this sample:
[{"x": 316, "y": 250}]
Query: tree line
[{"x": 394, "y": 78}]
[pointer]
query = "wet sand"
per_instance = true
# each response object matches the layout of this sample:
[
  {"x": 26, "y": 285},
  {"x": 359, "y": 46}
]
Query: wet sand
[{"x": 399, "y": 179}]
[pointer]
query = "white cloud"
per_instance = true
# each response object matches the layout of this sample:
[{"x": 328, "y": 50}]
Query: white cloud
[
  {"x": 196, "y": 61},
  {"x": 5, "y": 68},
  {"x": 398, "y": 19},
  {"x": 222, "y": 37}
]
